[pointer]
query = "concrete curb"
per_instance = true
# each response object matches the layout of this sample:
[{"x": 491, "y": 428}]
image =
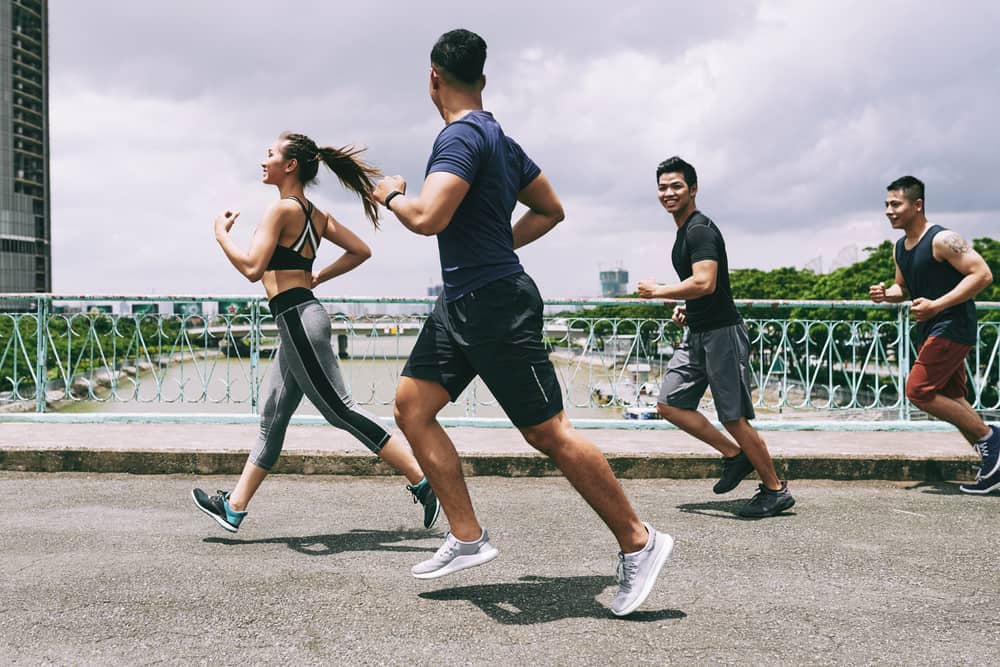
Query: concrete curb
[{"x": 634, "y": 466}]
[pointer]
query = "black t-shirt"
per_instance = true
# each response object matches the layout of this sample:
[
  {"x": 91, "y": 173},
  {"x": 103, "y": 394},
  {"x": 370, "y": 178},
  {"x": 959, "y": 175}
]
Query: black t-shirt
[
  {"x": 698, "y": 239},
  {"x": 931, "y": 279}
]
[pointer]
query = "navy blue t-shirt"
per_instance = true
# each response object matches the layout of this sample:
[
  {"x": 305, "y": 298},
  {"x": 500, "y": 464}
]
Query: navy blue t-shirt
[{"x": 477, "y": 246}]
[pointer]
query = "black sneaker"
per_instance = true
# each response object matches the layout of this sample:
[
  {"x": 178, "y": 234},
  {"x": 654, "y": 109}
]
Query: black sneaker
[
  {"x": 734, "y": 469},
  {"x": 767, "y": 502},
  {"x": 990, "y": 451},
  {"x": 983, "y": 485},
  {"x": 424, "y": 494},
  {"x": 218, "y": 508}
]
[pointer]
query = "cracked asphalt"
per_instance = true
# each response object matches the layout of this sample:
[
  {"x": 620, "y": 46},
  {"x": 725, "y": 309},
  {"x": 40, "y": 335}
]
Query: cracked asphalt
[{"x": 122, "y": 569}]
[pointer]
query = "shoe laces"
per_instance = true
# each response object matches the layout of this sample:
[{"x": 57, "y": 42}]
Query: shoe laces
[
  {"x": 979, "y": 448},
  {"x": 412, "y": 488},
  {"x": 448, "y": 549},
  {"x": 625, "y": 572},
  {"x": 759, "y": 496}
]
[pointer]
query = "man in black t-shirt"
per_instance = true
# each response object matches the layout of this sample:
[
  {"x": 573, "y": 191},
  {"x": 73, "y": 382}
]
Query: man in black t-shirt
[{"x": 715, "y": 350}]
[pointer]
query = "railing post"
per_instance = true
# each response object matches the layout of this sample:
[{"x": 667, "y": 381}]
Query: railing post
[
  {"x": 255, "y": 326},
  {"x": 904, "y": 364},
  {"x": 41, "y": 335}
]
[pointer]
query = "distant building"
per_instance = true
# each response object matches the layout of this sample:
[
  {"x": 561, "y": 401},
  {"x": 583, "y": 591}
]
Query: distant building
[
  {"x": 614, "y": 282},
  {"x": 25, "y": 257},
  {"x": 435, "y": 290}
]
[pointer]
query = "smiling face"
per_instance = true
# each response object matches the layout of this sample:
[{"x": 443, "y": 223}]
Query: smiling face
[
  {"x": 901, "y": 211},
  {"x": 674, "y": 193},
  {"x": 276, "y": 168}
]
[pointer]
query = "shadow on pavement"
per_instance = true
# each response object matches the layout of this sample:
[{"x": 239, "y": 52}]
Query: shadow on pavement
[
  {"x": 937, "y": 488},
  {"x": 328, "y": 545},
  {"x": 543, "y": 599},
  {"x": 723, "y": 509}
]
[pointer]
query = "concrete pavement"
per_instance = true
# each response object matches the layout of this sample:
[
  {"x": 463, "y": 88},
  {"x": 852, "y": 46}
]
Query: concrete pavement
[
  {"x": 122, "y": 569},
  {"x": 142, "y": 448}
]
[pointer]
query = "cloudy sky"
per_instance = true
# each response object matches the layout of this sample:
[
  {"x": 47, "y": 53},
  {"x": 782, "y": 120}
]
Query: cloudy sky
[{"x": 796, "y": 114}]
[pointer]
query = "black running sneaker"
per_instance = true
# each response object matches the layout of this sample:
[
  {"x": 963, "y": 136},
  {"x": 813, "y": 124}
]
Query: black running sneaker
[
  {"x": 989, "y": 449},
  {"x": 983, "y": 485},
  {"x": 424, "y": 494},
  {"x": 767, "y": 502},
  {"x": 218, "y": 508},
  {"x": 734, "y": 469}
]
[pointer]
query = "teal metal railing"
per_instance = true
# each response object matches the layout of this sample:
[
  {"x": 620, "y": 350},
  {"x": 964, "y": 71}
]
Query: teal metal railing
[{"x": 74, "y": 357}]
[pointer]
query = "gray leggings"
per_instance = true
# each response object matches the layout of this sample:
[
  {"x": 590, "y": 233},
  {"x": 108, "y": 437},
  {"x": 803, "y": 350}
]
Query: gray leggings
[{"x": 305, "y": 364}]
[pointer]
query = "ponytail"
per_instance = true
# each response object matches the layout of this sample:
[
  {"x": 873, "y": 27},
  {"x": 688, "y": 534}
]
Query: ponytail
[{"x": 354, "y": 174}]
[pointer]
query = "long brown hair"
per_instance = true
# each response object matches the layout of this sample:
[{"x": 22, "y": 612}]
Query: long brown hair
[{"x": 354, "y": 174}]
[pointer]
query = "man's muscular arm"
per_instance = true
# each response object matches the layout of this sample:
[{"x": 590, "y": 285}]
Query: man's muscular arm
[{"x": 948, "y": 246}]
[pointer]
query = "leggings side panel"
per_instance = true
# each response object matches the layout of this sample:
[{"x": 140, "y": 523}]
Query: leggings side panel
[
  {"x": 280, "y": 397},
  {"x": 305, "y": 333}
]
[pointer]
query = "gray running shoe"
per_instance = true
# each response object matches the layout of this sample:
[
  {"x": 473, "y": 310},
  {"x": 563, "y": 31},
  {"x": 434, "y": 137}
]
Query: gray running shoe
[
  {"x": 767, "y": 502},
  {"x": 734, "y": 469},
  {"x": 454, "y": 556},
  {"x": 637, "y": 572}
]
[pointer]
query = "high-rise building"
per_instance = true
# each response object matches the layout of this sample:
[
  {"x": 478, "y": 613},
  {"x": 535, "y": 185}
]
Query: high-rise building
[
  {"x": 614, "y": 282},
  {"x": 25, "y": 257}
]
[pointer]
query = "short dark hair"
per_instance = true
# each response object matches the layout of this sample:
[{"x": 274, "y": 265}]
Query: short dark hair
[
  {"x": 461, "y": 54},
  {"x": 912, "y": 187},
  {"x": 676, "y": 164}
]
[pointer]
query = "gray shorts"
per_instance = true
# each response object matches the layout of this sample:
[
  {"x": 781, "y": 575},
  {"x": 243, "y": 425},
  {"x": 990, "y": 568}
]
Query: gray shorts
[{"x": 719, "y": 359}]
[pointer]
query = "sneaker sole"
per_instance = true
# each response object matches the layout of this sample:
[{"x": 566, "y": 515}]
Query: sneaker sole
[
  {"x": 661, "y": 560},
  {"x": 980, "y": 492},
  {"x": 460, "y": 563},
  {"x": 719, "y": 492},
  {"x": 215, "y": 517},
  {"x": 775, "y": 512},
  {"x": 996, "y": 467},
  {"x": 433, "y": 521}
]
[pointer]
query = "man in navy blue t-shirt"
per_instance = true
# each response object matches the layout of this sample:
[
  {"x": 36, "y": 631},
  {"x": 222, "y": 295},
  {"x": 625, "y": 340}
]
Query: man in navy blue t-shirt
[{"x": 488, "y": 322}]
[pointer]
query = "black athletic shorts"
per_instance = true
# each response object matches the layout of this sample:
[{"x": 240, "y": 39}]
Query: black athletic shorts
[{"x": 494, "y": 332}]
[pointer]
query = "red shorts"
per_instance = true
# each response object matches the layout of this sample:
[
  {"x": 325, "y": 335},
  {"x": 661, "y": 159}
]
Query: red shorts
[{"x": 939, "y": 369}]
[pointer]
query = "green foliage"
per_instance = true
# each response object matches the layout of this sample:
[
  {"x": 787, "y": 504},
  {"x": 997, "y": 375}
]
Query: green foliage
[{"x": 849, "y": 283}]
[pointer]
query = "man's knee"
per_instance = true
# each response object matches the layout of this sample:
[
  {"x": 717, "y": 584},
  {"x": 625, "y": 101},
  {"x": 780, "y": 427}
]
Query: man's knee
[
  {"x": 919, "y": 393},
  {"x": 670, "y": 412},
  {"x": 547, "y": 436},
  {"x": 409, "y": 410}
]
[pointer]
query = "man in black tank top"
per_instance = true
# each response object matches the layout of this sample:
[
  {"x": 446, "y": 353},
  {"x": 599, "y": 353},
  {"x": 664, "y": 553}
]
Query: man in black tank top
[
  {"x": 715, "y": 351},
  {"x": 943, "y": 274}
]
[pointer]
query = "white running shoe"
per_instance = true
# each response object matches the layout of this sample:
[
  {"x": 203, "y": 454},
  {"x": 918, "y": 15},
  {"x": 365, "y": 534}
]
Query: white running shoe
[
  {"x": 637, "y": 572},
  {"x": 454, "y": 556}
]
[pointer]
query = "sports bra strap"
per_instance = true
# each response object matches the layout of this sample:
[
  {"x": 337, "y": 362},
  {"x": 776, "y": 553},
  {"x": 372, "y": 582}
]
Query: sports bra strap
[
  {"x": 308, "y": 211},
  {"x": 308, "y": 234}
]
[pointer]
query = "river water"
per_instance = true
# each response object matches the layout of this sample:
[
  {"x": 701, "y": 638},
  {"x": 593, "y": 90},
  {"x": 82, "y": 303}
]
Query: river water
[{"x": 216, "y": 384}]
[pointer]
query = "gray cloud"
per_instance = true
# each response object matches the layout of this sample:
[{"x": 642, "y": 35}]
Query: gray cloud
[{"x": 796, "y": 114}]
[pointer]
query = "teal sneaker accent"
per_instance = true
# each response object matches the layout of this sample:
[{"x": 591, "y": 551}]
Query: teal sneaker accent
[
  {"x": 218, "y": 508},
  {"x": 232, "y": 515}
]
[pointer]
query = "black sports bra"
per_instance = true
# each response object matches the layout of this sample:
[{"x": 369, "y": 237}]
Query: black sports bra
[{"x": 290, "y": 257}]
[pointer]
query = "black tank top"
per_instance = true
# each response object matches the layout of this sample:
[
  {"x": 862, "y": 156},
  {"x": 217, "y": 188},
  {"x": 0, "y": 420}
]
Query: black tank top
[
  {"x": 291, "y": 257},
  {"x": 931, "y": 279}
]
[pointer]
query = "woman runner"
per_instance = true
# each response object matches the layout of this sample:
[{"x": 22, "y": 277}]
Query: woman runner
[{"x": 281, "y": 256}]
